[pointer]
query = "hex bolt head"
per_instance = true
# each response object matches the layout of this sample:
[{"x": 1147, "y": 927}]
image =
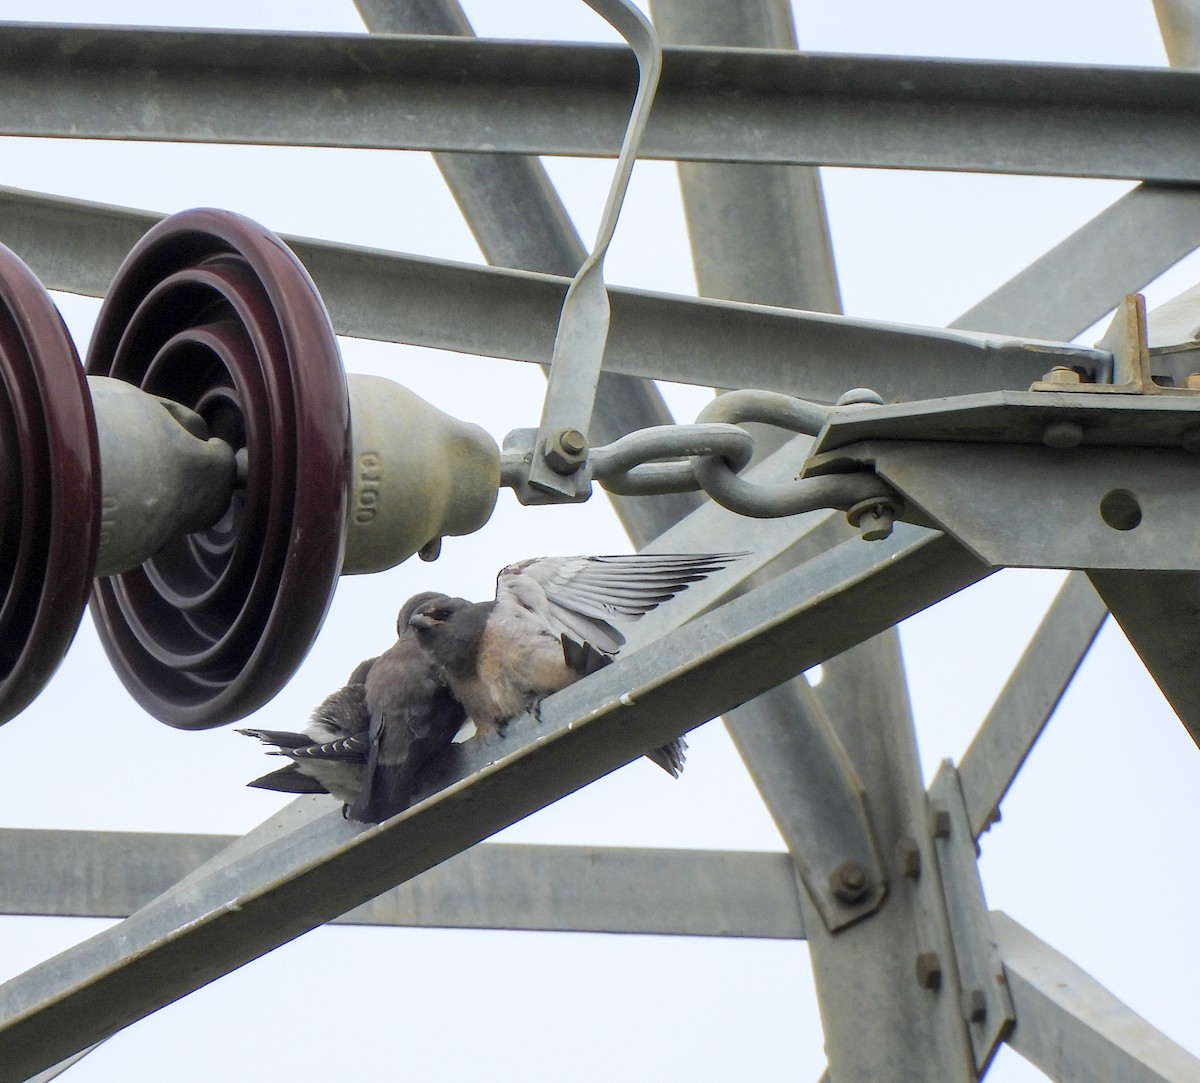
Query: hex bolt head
[
  {"x": 929, "y": 970},
  {"x": 565, "y": 452},
  {"x": 974, "y": 1005},
  {"x": 939, "y": 821},
  {"x": 908, "y": 857},
  {"x": 849, "y": 882}
]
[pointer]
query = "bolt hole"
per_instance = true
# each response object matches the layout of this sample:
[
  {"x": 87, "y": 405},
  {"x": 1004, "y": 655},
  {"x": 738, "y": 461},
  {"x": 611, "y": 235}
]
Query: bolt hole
[{"x": 1120, "y": 509}]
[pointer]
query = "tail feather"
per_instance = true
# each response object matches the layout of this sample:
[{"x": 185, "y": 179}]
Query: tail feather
[
  {"x": 670, "y": 757},
  {"x": 288, "y": 779}
]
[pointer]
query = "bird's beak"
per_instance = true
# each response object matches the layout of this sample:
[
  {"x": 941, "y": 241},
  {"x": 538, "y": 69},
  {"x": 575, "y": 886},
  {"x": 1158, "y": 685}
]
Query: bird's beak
[{"x": 422, "y": 620}]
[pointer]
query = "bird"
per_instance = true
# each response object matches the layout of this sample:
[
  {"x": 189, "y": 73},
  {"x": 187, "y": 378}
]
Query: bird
[
  {"x": 368, "y": 743},
  {"x": 553, "y": 621}
]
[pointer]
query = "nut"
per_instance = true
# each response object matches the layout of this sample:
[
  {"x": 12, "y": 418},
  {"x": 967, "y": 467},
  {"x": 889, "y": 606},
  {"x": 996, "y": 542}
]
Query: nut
[
  {"x": 929, "y": 970},
  {"x": 939, "y": 821},
  {"x": 849, "y": 882},
  {"x": 565, "y": 452},
  {"x": 908, "y": 857},
  {"x": 974, "y": 1005},
  {"x": 1062, "y": 374}
]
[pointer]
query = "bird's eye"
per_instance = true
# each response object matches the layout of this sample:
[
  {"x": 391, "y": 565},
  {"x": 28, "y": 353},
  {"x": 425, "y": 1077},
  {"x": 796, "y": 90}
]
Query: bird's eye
[{"x": 441, "y": 614}]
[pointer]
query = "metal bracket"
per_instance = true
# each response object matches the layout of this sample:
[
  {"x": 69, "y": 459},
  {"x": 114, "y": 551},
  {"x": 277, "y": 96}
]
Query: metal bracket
[
  {"x": 1128, "y": 340},
  {"x": 1031, "y": 480},
  {"x": 583, "y": 322},
  {"x": 987, "y": 1006}
]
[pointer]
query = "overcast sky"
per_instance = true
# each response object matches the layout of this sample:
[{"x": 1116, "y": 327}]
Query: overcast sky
[{"x": 1090, "y": 854}]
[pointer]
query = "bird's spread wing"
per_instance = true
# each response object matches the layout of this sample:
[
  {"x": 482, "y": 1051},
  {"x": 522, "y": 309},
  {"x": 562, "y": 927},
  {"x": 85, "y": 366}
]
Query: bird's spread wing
[{"x": 586, "y": 598}]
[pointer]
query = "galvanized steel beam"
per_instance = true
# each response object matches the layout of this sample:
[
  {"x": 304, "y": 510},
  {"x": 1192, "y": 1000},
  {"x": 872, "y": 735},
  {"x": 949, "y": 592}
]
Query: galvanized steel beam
[
  {"x": 985, "y": 1004},
  {"x": 1072, "y": 1028},
  {"x": 894, "y": 968},
  {"x": 1078, "y": 281},
  {"x": 76, "y": 246},
  {"x": 1028, "y": 699},
  {"x": 758, "y": 232},
  {"x": 275, "y": 893},
  {"x": 111, "y": 874},
  {"x": 1179, "y": 22},
  {"x": 714, "y": 105}
]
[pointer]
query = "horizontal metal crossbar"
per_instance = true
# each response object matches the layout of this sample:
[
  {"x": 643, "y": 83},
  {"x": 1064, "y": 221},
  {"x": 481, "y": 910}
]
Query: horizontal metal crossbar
[
  {"x": 76, "y": 246},
  {"x": 110, "y": 874},
  {"x": 547, "y": 98}
]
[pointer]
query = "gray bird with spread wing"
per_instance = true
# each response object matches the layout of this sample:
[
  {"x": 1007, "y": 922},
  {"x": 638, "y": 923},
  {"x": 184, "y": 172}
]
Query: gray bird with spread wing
[{"x": 553, "y": 621}]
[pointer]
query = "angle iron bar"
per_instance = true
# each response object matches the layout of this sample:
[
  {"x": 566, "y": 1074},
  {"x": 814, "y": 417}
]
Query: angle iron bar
[
  {"x": 274, "y": 894},
  {"x": 987, "y": 1007},
  {"x": 1066, "y": 290},
  {"x": 76, "y": 246},
  {"x": 462, "y": 94},
  {"x": 576, "y": 888},
  {"x": 1028, "y": 699},
  {"x": 1071, "y": 1027}
]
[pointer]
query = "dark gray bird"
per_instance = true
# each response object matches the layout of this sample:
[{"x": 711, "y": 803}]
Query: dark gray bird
[
  {"x": 553, "y": 621},
  {"x": 368, "y": 742}
]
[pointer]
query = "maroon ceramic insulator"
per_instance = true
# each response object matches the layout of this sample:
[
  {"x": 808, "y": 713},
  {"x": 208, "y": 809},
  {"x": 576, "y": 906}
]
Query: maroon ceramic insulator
[
  {"x": 49, "y": 487},
  {"x": 215, "y": 312}
]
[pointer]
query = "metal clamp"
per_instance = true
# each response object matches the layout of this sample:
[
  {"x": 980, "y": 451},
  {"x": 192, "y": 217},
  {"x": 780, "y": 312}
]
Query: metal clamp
[{"x": 583, "y": 322}]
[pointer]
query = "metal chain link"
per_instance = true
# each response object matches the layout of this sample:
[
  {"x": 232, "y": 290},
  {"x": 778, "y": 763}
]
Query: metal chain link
[{"x": 710, "y": 454}]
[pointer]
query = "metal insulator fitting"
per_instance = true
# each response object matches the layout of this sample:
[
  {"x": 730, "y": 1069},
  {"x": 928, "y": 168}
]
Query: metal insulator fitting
[
  {"x": 1062, "y": 374},
  {"x": 908, "y": 857},
  {"x": 939, "y": 821},
  {"x": 974, "y": 1005},
  {"x": 1063, "y": 434},
  {"x": 567, "y": 452},
  {"x": 873, "y": 518},
  {"x": 929, "y": 970},
  {"x": 848, "y": 882}
]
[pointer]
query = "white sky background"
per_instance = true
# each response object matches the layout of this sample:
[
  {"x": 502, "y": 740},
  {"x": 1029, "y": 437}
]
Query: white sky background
[{"x": 1093, "y": 853}]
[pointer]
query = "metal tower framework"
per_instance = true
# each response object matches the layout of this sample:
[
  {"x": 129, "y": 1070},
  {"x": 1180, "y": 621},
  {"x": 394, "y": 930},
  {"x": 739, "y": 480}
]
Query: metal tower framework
[{"x": 888, "y": 893}]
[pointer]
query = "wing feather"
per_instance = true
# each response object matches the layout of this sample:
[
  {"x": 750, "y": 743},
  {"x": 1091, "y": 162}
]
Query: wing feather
[{"x": 587, "y": 597}]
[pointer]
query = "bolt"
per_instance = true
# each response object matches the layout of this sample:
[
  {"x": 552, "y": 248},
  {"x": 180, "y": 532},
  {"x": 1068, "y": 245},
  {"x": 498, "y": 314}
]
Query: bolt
[
  {"x": 848, "y": 882},
  {"x": 974, "y": 1005},
  {"x": 1062, "y": 434},
  {"x": 939, "y": 820},
  {"x": 929, "y": 970},
  {"x": 566, "y": 451},
  {"x": 1192, "y": 382},
  {"x": 908, "y": 857},
  {"x": 1062, "y": 374},
  {"x": 873, "y": 518}
]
